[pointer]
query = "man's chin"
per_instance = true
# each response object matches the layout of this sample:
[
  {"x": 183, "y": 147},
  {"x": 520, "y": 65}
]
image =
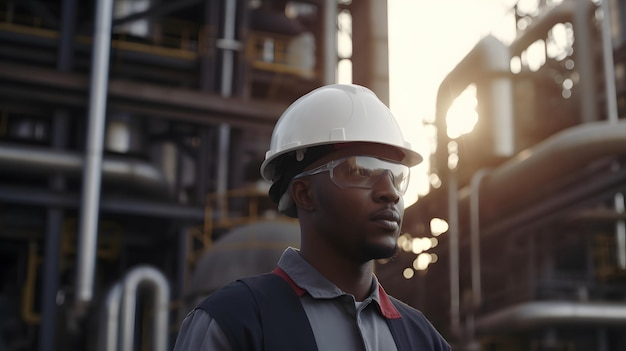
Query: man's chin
[{"x": 381, "y": 252}]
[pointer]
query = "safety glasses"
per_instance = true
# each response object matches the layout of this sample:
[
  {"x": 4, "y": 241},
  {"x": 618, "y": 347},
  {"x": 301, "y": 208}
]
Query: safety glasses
[{"x": 362, "y": 172}]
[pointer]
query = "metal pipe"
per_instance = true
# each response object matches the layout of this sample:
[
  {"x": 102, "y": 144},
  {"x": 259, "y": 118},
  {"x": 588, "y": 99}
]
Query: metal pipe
[
  {"x": 122, "y": 205},
  {"x": 26, "y": 158},
  {"x": 487, "y": 65},
  {"x": 609, "y": 65},
  {"x": 584, "y": 61},
  {"x": 208, "y": 72},
  {"x": 65, "y": 55},
  {"x": 54, "y": 216},
  {"x": 475, "y": 235},
  {"x": 540, "y": 313},
  {"x": 567, "y": 11},
  {"x": 228, "y": 46},
  {"x": 500, "y": 91},
  {"x": 508, "y": 184},
  {"x": 330, "y": 41},
  {"x": 620, "y": 232},
  {"x": 222, "y": 164},
  {"x": 228, "y": 58},
  {"x": 202, "y": 166},
  {"x": 109, "y": 329},
  {"x": 154, "y": 279},
  {"x": 453, "y": 237},
  {"x": 511, "y": 183},
  {"x": 465, "y": 72},
  {"x": 50, "y": 277},
  {"x": 88, "y": 233},
  {"x": 489, "y": 56},
  {"x": 378, "y": 49},
  {"x": 182, "y": 272}
]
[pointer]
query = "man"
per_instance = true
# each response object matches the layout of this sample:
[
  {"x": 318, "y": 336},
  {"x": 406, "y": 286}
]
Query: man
[{"x": 339, "y": 163}]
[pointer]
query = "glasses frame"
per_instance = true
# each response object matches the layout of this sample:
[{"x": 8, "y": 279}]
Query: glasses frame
[{"x": 331, "y": 165}]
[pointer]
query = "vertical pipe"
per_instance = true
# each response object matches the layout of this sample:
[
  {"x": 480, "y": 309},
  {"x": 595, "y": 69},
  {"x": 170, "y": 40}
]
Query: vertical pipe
[
  {"x": 330, "y": 41},
  {"x": 228, "y": 54},
  {"x": 609, "y": 65},
  {"x": 207, "y": 57},
  {"x": 453, "y": 233},
  {"x": 621, "y": 10},
  {"x": 620, "y": 232},
  {"x": 222, "y": 163},
  {"x": 65, "y": 56},
  {"x": 475, "y": 235},
  {"x": 108, "y": 338},
  {"x": 50, "y": 279},
  {"x": 501, "y": 114},
  {"x": 532, "y": 253},
  {"x": 584, "y": 62},
  {"x": 378, "y": 18},
  {"x": 181, "y": 270},
  {"x": 228, "y": 64},
  {"x": 93, "y": 156},
  {"x": 204, "y": 154},
  {"x": 208, "y": 76},
  {"x": 55, "y": 215},
  {"x": 241, "y": 87},
  {"x": 475, "y": 257}
]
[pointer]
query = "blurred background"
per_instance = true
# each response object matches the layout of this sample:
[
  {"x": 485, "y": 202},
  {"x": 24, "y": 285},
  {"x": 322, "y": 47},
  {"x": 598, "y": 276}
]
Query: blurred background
[{"x": 132, "y": 131}]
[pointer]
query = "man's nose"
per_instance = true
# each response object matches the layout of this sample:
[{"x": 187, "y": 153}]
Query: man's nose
[{"x": 385, "y": 187}]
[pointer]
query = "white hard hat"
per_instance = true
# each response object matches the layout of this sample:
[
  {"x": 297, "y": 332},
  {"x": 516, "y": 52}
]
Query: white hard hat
[{"x": 332, "y": 114}]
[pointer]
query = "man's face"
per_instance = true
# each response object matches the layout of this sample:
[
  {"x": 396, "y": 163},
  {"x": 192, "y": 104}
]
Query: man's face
[{"x": 359, "y": 222}]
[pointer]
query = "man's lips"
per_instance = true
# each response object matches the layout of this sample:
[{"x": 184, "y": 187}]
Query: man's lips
[
  {"x": 387, "y": 218},
  {"x": 387, "y": 215}
]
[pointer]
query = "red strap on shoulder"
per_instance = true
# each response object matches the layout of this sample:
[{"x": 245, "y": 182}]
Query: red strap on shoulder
[
  {"x": 281, "y": 273},
  {"x": 386, "y": 306}
]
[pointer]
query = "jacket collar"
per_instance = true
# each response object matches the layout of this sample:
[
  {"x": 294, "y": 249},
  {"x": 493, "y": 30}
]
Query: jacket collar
[{"x": 303, "y": 278}]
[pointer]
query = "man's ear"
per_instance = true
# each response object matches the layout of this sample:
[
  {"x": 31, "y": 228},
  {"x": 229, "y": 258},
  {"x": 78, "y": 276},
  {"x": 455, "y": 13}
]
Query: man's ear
[{"x": 302, "y": 195}]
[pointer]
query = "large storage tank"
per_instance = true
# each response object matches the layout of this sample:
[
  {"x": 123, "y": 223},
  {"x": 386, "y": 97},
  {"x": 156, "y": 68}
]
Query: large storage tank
[{"x": 246, "y": 250}]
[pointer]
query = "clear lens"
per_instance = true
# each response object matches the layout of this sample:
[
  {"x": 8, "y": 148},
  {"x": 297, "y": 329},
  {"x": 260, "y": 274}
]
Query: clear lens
[{"x": 363, "y": 172}]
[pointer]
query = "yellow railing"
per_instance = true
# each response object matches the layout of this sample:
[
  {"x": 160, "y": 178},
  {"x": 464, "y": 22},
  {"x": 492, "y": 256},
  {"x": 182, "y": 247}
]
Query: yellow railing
[
  {"x": 180, "y": 39},
  {"x": 221, "y": 213},
  {"x": 604, "y": 253},
  {"x": 109, "y": 248},
  {"x": 270, "y": 52},
  {"x": 28, "y": 296},
  {"x": 174, "y": 38}
]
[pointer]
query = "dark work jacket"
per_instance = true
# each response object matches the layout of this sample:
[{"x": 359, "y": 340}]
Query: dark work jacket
[{"x": 264, "y": 313}]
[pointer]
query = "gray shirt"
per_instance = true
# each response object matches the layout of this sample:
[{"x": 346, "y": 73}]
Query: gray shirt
[{"x": 337, "y": 320}]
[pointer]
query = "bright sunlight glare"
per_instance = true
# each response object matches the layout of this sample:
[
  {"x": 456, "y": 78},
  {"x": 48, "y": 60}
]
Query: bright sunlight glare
[
  {"x": 462, "y": 115},
  {"x": 426, "y": 41}
]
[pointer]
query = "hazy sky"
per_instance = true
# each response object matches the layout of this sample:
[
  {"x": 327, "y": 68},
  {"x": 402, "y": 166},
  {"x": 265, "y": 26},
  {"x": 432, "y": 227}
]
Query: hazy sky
[{"x": 426, "y": 40}]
